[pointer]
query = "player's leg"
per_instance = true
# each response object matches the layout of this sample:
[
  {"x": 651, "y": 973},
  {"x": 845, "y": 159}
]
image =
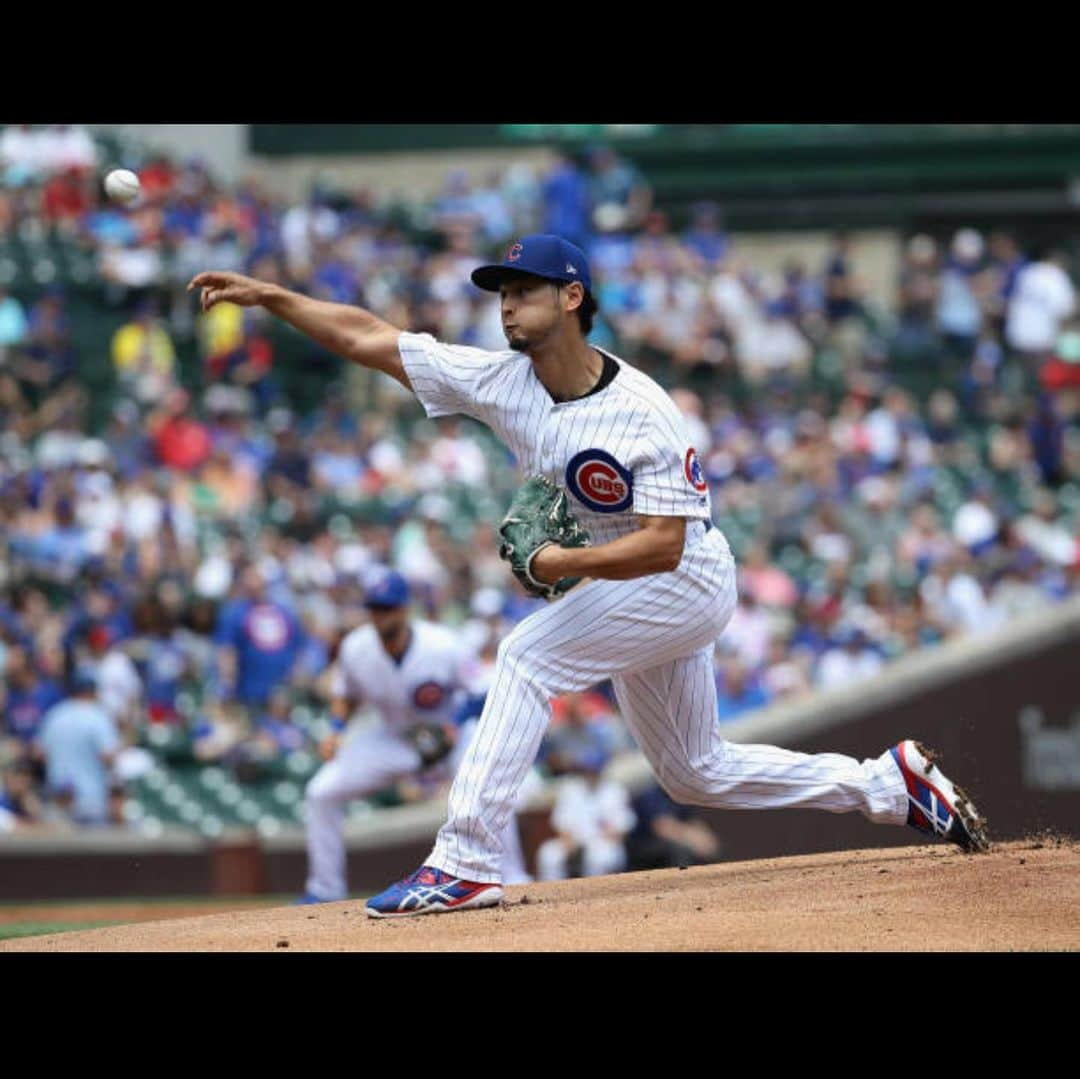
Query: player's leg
[
  {"x": 671, "y": 712},
  {"x": 599, "y": 628},
  {"x": 365, "y": 763},
  {"x": 551, "y": 858},
  {"x": 604, "y": 856},
  {"x": 512, "y": 865}
]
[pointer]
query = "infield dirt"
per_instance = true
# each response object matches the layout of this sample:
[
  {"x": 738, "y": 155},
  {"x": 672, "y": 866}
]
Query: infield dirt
[{"x": 1021, "y": 896}]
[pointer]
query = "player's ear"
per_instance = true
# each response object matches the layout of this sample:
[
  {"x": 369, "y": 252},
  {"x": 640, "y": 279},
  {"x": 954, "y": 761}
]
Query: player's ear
[{"x": 575, "y": 295}]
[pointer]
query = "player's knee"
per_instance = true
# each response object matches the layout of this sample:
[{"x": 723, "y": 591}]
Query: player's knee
[
  {"x": 318, "y": 789},
  {"x": 686, "y": 790},
  {"x": 511, "y": 651},
  {"x": 514, "y": 656}
]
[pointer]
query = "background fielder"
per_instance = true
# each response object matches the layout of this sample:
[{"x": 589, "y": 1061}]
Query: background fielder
[{"x": 411, "y": 671}]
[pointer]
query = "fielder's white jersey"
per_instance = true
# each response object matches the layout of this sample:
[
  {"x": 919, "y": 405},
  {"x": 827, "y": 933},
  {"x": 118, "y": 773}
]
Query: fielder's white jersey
[
  {"x": 425, "y": 687},
  {"x": 619, "y": 452}
]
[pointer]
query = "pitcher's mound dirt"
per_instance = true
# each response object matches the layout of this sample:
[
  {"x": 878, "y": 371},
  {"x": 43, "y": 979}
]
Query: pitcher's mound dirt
[{"x": 1023, "y": 895}]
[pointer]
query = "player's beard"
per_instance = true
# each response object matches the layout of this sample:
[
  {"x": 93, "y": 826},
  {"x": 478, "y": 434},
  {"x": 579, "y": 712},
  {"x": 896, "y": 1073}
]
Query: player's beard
[{"x": 518, "y": 341}]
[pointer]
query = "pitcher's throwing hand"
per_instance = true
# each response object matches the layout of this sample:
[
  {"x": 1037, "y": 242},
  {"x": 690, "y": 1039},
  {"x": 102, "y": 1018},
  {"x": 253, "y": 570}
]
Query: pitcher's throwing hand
[{"x": 221, "y": 286}]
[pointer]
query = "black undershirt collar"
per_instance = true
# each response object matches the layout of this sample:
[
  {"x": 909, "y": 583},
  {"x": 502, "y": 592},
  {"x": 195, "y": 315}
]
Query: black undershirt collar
[{"x": 607, "y": 375}]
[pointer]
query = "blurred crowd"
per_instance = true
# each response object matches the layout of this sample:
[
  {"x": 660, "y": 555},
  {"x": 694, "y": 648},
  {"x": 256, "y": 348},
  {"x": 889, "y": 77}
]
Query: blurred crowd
[{"x": 890, "y": 475}]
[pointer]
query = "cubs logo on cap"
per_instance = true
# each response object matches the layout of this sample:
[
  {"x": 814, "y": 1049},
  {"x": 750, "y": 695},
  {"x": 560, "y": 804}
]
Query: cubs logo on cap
[
  {"x": 542, "y": 255},
  {"x": 599, "y": 482},
  {"x": 692, "y": 467}
]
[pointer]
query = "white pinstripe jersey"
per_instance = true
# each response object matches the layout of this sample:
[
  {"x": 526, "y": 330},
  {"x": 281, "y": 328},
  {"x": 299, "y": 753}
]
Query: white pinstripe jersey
[
  {"x": 425, "y": 687},
  {"x": 619, "y": 452}
]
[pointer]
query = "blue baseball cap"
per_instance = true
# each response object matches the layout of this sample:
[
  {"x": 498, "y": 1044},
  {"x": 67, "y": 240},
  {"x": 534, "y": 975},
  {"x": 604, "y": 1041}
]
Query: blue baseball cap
[
  {"x": 388, "y": 589},
  {"x": 542, "y": 255}
]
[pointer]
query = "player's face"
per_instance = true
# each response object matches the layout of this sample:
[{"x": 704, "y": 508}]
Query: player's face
[
  {"x": 389, "y": 622},
  {"x": 530, "y": 311}
]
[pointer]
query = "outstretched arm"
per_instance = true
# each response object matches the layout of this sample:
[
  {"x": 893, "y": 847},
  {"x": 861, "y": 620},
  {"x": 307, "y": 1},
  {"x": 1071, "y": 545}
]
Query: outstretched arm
[{"x": 350, "y": 332}]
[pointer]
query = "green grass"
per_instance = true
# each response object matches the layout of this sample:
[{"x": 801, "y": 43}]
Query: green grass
[
  {"x": 37, "y": 929},
  {"x": 155, "y": 901},
  {"x": 9, "y": 930}
]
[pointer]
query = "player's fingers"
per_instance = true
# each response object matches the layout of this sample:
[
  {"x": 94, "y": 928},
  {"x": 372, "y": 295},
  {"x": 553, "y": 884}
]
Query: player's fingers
[
  {"x": 208, "y": 277},
  {"x": 199, "y": 280}
]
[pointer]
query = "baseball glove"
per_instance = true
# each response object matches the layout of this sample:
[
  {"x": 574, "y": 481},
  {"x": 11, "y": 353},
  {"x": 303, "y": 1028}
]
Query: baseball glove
[
  {"x": 432, "y": 741},
  {"x": 538, "y": 517}
]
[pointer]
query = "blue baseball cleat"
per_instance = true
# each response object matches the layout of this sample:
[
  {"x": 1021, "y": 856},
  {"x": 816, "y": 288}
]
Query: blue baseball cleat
[
  {"x": 308, "y": 898},
  {"x": 431, "y": 891},
  {"x": 935, "y": 806}
]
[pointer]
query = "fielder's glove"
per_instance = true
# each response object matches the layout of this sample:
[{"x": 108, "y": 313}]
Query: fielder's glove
[
  {"x": 432, "y": 741},
  {"x": 538, "y": 517}
]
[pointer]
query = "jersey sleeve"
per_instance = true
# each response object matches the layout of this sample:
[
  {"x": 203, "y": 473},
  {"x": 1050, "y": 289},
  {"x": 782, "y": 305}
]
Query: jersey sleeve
[
  {"x": 343, "y": 680},
  {"x": 668, "y": 481},
  {"x": 444, "y": 377}
]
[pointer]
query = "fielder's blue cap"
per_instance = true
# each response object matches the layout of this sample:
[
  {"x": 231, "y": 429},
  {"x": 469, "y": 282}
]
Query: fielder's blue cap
[
  {"x": 388, "y": 589},
  {"x": 542, "y": 255}
]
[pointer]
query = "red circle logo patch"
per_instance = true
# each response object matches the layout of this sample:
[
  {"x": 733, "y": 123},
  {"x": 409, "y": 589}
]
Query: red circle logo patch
[
  {"x": 599, "y": 482},
  {"x": 692, "y": 467},
  {"x": 429, "y": 695}
]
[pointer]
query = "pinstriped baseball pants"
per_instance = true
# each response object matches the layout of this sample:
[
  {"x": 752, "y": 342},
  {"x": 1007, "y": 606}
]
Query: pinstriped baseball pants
[{"x": 654, "y": 637}]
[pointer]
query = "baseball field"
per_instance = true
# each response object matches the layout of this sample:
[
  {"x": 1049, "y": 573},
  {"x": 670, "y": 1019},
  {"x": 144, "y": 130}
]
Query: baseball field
[{"x": 1023, "y": 895}]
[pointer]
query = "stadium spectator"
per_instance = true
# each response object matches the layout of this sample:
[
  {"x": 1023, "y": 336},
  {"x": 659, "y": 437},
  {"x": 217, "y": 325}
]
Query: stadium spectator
[
  {"x": 706, "y": 235},
  {"x": 258, "y": 639},
  {"x": 787, "y": 671},
  {"x": 61, "y": 147},
  {"x": 842, "y": 288},
  {"x": 1045, "y": 533},
  {"x": 305, "y": 225},
  {"x": 737, "y": 690},
  {"x": 667, "y": 834},
  {"x": 119, "y": 688},
  {"x": 180, "y": 441},
  {"x": 591, "y": 818},
  {"x": 1006, "y": 262},
  {"x": 26, "y": 694},
  {"x": 79, "y": 744},
  {"x": 960, "y": 292},
  {"x": 144, "y": 357},
  {"x": 49, "y": 358},
  {"x": 852, "y": 659},
  {"x": 747, "y": 635},
  {"x": 566, "y": 201},
  {"x": 20, "y": 804},
  {"x": 20, "y": 149},
  {"x": 619, "y": 195},
  {"x": 582, "y": 734},
  {"x": 1042, "y": 299},
  {"x": 66, "y": 199}
]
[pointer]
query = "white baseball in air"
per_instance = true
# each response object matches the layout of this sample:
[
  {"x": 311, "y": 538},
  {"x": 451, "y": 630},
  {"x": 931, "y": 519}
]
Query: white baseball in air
[{"x": 122, "y": 185}]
